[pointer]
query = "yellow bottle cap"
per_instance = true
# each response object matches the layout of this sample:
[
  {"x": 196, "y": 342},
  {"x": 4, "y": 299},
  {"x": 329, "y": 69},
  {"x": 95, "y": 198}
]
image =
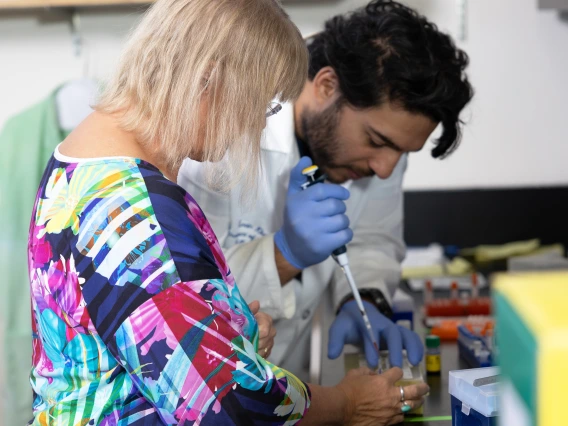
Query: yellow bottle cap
[{"x": 309, "y": 171}]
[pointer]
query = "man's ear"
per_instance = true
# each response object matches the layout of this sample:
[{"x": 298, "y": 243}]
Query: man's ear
[{"x": 326, "y": 86}]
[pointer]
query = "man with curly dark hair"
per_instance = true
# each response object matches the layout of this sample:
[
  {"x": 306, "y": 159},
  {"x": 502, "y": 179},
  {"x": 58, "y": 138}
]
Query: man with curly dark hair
[{"x": 381, "y": 80}]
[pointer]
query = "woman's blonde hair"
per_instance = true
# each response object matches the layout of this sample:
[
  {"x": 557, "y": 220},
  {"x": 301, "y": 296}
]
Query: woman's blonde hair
[{"x": 243, "y": 53}]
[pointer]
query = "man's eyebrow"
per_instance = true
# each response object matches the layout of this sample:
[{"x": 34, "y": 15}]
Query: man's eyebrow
[{"x": 386, "y": 140}]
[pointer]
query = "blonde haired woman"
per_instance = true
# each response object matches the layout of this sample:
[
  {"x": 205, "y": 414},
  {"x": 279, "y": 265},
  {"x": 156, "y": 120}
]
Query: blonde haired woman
[{"x": 136, "y": 317}]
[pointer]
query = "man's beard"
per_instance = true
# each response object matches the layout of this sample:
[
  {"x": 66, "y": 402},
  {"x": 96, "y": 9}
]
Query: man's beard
[{"x": 320, "y": 135}]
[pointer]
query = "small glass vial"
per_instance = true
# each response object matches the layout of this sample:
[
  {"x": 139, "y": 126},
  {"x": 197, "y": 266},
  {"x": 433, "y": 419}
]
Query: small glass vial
[{"x": 433, "y": 356}]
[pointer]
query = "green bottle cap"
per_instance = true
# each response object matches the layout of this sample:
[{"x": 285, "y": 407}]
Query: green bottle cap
[{"x": 432, "y": 341}]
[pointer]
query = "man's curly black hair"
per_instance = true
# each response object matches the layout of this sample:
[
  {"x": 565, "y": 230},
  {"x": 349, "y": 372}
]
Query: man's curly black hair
[{"x": 388, "y": 52}]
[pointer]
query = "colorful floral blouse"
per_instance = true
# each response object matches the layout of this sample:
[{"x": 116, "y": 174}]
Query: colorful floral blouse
[{"x": 136, "y": 317}]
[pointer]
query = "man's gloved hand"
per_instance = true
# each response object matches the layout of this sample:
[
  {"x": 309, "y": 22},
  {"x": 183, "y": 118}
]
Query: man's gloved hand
[
  {"x": 349, "y": 327},
  {"x": 315, "y": 223}
]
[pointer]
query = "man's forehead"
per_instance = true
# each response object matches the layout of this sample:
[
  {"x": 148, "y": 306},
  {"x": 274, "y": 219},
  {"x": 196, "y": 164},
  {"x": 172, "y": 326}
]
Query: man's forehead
[{"x": 394, "y": 125}]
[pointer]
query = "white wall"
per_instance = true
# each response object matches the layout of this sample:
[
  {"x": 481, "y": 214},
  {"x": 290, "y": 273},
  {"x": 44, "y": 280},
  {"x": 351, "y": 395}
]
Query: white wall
[
  {"x": 517, "y": 132},
  {"x": 36, "y": 52},
  {"x": 519, "y": 67}
]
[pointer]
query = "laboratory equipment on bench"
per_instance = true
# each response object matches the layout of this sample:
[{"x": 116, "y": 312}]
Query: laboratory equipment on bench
[
  {"x": 474, "y": 394},
  {"x": 446, "y": 328},
  {"x": 411, "y": 374},
  {"x": 444, "y": 282},
  {"x": 340, "y": 256},
  {"x": 433, "y": 355},
  {"x": 475, "y": 345},
  {"x": 403, "y": 309},
  {"x": 456, "y": 305},
  {"x": 532, "y": 335}
]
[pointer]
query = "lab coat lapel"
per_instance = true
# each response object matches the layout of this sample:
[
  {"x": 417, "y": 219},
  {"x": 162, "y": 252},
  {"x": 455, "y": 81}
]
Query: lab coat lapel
[{"x": 279, "y": 154}]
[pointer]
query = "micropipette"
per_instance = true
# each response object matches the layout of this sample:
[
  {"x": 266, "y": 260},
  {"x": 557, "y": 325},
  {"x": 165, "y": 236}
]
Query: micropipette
[{"x": 340, "y": 256}]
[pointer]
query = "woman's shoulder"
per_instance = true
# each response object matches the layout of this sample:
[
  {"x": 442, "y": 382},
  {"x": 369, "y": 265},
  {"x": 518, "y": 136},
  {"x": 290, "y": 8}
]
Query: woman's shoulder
[
  {"x": 92, "y": 179},
  {"x": 97, "y": 202}
]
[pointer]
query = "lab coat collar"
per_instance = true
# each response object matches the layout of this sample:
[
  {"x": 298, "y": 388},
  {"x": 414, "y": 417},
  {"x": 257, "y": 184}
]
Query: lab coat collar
[{"x": 279, "y": 134}]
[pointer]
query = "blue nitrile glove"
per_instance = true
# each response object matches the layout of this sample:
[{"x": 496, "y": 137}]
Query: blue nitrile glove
[
  {"x": 349, "y": 327},
  {"x": 315, "y": 223}
]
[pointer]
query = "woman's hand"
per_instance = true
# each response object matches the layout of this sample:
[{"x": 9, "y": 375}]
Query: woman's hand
[
  {"x": 375, "y": 400},
  {"x": 266, "y": 330}
]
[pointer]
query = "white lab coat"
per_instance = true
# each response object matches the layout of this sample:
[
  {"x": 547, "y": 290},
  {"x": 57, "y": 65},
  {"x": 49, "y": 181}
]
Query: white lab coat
[{"x": 375, "y": 210}]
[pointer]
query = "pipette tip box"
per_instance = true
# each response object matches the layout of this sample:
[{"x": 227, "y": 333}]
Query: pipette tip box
[
  {"x": 475, "y": 347},
  {"x": 473, "y": 405}
]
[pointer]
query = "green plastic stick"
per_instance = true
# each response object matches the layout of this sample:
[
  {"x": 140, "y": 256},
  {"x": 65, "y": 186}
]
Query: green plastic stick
[{"x": 428, "y": 419}]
